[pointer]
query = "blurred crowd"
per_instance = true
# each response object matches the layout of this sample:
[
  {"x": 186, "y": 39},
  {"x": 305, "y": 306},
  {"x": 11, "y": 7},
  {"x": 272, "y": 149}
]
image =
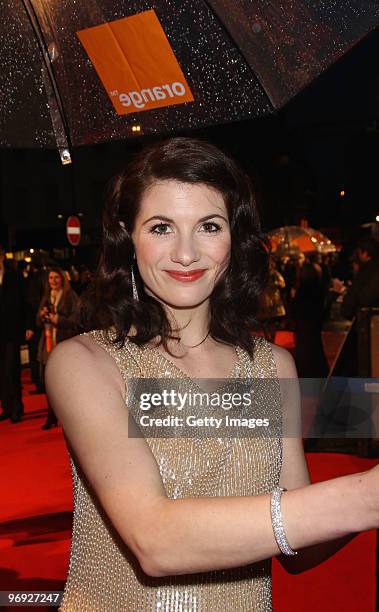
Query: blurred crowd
[
  {"x": 38, "y": 306},
  {"x": 305, "y": 291}
]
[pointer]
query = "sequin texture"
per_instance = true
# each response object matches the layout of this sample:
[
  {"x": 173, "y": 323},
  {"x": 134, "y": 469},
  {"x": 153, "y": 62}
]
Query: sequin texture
[{"x": 104, "y": 576}]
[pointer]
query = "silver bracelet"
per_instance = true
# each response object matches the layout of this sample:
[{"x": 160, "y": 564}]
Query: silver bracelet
[{"x": 277, "y": 523}]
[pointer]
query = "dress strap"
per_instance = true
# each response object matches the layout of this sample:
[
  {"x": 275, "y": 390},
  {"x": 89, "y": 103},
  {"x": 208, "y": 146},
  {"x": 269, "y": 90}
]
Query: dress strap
[{"x": 264, "y": 365}]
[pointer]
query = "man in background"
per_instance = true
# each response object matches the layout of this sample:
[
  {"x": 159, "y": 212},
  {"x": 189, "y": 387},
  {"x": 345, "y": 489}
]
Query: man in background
[
  {"x": 35, "y": 285},
  {"x": 13, "y": 333},
  {"x": 364, "y": 289}
]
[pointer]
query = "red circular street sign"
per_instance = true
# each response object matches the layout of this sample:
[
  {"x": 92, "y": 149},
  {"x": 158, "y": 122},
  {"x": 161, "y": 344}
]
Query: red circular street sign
[{"x": 73, "y": 230}]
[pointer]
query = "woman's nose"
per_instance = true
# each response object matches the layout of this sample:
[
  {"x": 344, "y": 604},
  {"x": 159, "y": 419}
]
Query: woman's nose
[{"x": 185, "y": 250}]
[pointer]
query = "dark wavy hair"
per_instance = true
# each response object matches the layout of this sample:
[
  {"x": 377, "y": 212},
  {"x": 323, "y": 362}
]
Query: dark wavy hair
[{"x": 234, "y": 300}]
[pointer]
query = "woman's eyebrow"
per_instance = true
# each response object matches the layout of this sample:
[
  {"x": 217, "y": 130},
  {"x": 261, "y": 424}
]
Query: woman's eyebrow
[{"x": 164, "y": 218}]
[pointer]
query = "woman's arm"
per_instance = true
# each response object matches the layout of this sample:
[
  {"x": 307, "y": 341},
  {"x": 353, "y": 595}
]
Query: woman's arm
[
  {"x": 294, "y": 472},
  {"x": 184, "y": 535}
]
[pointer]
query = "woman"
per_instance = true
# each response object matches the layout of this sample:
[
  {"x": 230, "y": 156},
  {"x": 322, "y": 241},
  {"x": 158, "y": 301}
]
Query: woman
[
  {"x": 271, "y": 307},
  {"x": 57, "y": 316},
  {"x": 172, "y": 523}
]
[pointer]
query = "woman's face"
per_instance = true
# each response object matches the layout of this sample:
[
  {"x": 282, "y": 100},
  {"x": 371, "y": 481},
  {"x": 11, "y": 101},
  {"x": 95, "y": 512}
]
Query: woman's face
[
  {"x": 182, "y": 241},
  {"x": 55, "y": 281}
]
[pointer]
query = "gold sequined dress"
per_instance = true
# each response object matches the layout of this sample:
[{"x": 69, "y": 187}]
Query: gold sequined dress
[{"x": 104, "y": 575}]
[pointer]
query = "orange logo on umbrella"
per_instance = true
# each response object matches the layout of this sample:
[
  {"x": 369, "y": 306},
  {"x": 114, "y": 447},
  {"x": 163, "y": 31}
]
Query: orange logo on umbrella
[{"x": 136, "y": 64}]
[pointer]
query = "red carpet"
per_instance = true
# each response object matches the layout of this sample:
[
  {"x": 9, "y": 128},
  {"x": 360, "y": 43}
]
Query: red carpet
[
  {"x": 35, "y": 523},
  {"x": 347, "y": 581}
]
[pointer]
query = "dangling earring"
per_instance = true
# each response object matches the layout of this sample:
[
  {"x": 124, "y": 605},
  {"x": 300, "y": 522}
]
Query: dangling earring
[{"x": 134, "y": 286}]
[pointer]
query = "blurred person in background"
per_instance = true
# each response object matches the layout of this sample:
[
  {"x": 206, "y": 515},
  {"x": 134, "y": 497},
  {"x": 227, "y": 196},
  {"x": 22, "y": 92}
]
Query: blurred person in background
[
  {"x": 364, "y": 289},
  {"x": 22, "y": 268},
  {"x": 361, "y": 292},
  {"x": 73, "y": 276},
  {"x": 271, "y": 308},
  {"x": 326, "y": 264},
  {"x": 83, "y": 281},
  {"x": 308, "y": 303},
  {"x": 57, "y": 318},
  {"x": 287, "y": 267},
  {"x": 35, "y": 287},
  {"x": 13, "y": 333}
]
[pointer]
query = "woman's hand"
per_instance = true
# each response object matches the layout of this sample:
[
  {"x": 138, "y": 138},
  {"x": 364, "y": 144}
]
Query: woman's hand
[
  {"x": 338, "y": 286},
  {"x": 53, "y": 318},
  {"x": 43, "y": 313}
]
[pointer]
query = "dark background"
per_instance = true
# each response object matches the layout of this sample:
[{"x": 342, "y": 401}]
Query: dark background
[{"x": 324, "y": 141}]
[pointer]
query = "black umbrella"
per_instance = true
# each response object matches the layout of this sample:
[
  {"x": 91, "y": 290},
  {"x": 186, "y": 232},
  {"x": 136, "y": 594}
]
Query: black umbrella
[{"x": 239, "y": 58}]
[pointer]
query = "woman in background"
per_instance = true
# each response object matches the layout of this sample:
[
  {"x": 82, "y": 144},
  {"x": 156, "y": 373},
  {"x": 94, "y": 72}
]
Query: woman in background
[
  {"x": 271, "y": 307},
  {"x": 56, "y": 315}
]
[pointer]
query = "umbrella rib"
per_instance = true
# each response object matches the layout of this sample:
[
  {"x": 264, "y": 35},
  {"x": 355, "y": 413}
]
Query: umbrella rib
[{"x": 58, "y": 118}]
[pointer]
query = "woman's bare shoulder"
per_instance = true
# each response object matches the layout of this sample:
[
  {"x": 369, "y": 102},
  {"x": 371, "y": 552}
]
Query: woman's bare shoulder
[
  {"x": 285, "y": 363},
  {"x": 83, "y": 352},
  {"x": 83, "y": 345}
]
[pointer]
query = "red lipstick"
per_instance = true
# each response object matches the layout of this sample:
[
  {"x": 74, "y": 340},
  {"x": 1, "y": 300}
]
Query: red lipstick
[{"x": 186, "y": 277}]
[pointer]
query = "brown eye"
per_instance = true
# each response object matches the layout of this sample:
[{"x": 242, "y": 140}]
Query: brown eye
[{"x": 211, "y": 227}]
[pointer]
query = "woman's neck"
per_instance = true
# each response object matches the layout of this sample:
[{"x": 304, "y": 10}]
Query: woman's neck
[
  {"x": 191, "y": 325},
  {"x": 55, "y": 292}
]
